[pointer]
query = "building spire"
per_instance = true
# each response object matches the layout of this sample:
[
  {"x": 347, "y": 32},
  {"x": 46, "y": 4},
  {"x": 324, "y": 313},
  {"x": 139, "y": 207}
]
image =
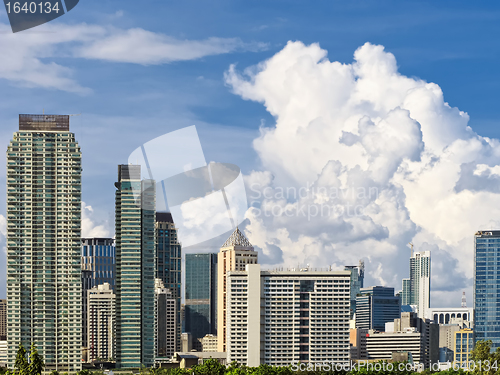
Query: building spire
[{"x": 237, "y": 239}]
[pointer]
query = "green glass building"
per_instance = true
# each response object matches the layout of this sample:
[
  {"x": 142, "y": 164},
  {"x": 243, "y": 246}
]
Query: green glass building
[
  {"x": 43, "y": 242},
  {"x": 135, "y": 268}
]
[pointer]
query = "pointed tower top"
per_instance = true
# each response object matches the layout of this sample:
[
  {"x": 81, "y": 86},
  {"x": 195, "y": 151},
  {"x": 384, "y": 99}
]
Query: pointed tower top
[{"x": 237, "y": 239}]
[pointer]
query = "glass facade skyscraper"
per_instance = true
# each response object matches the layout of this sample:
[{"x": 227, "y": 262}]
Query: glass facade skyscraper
[
  {"x": 43, "y": 242},
  {"x": 376, "y": 306},
  {"x": 357, "y": 278},
  {"x": 135, "y": 268},
  {"x": 200, "y": 314},
  {"x": 168, "y": 263},
  {"x": 487, "y": 286}
]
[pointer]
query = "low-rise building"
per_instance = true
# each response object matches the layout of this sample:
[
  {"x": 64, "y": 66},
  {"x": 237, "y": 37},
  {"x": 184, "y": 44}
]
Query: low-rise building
[
  {"x": 357, "y": 340},
  {"x": 209, "y": 343}
]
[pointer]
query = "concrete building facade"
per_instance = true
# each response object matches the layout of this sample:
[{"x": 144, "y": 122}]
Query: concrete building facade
[
  {"x": 43, "y": 241},
  {"x": 417, "y": 289},
  {"x": 234, "y": 255},
  {"x": 277, "y": 317},
  {"x": 166, "y": 322},
  {"x": 101, "y": 325}
]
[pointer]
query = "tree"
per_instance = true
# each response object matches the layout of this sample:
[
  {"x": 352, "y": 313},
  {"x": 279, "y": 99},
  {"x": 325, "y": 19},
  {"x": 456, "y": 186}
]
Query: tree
[
  {"x": 36, "y": 365},
  {"x": 487, "y": 362},
  {"x": 21, "y": 364}
]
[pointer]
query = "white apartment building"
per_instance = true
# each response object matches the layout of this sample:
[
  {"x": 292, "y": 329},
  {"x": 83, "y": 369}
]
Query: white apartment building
[
  {"x": 101, "y": 326},
  {"x": 277, "y": 317}
]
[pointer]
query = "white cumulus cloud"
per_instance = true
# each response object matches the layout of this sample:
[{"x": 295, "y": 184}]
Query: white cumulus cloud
[
  {"x": 91, "y": 226},
  {"x": 381, "y": 159}
]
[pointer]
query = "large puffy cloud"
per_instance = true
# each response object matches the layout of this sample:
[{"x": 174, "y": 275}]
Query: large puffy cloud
[
  {"x": 92, "y": 226},
  {"x": 380, "y": 159}
]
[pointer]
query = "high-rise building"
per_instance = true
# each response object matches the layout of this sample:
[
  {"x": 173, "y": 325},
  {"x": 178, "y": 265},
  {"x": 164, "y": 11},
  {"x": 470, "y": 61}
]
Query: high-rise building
[
  {"x": 166, "y": 321},
  {"x": 417, "y": 288},
  {"x": 101, "y": 327},
  {"x": 98, "y": 267},
  {"x": 3, "y": 320},
  {"x": 135, "y": 268},
  {"x": 201, "y": 296},
  {"x": 278, "y": 317},
  {"x": 168, "y": 263},
  {"x": 375, "y": 306},
  {"x": 98, "y": 256},
  {"x": 357, "y": 277},
  {"x": 234, "y": 255},
  {"x": 43, "y": 241},
  {"x": 487, "y": 286}
]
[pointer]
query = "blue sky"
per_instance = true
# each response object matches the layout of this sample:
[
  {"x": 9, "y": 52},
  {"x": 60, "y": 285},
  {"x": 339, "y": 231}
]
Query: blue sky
[{"x": 127, "y": 98}]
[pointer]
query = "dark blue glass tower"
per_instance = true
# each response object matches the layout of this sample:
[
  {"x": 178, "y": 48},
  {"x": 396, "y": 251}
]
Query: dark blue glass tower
[
  {"x": 201, "y": 295},
  {"x": 376, "y": 306},
  {"x": 487, "y": 286}
]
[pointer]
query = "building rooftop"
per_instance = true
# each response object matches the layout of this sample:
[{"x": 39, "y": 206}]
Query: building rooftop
[
  {"x": 488, "y": 233},
  {"x": 44, "y": 122},
  {"x": 164, "y": 217},
  {"x": 237, "y": 239}
]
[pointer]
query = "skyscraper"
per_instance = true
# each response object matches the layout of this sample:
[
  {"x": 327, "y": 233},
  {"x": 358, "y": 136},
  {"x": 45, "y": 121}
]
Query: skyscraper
[
  {"x": 201, "y": 296},
  {"x": 168, "y": 263},
  {"x": 234, "y": 255},
  {"x": 417, "y": 289},
  {"x": 357, "y": 277},
  {"x": 376, "y": 306},
  {"x": 135, "y": 268},
  {"x": 486, "y": 286},
  {"x": 43, "y": 241},
  {"x": 166, "y": 321}
]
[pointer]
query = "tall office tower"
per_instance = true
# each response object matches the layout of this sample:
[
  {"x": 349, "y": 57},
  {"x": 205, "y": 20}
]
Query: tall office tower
[
  {"x": 357, "y": 277},
  {"x": 101, "y": 323},
  {"x": 98, "y": 256},
  {"x": 43, "y": 241},
  {"x": 166, "y": 321},
  {"x": 376, "y": 306},
  {"x": 3, "y": 320},
  {"x": 201, "y": 296},
  {"x": 135, "y": 268},
  {"x": 487, "y": 287},
  {"x": 168, "y": 263},
  {"x": 278, "y": 317},
  {"x": 234, "y": 255},
  {"x": 417, "y": 289}
]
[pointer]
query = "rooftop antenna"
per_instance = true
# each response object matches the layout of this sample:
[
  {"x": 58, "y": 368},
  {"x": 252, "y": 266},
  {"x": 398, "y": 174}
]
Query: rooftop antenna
[
  {"x": 411, "y": 247},
  {"x": 464, "y": 301}
]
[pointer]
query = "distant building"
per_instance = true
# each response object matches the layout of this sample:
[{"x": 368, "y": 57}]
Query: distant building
[
  {"x": 411, "y": 334},
  {"x": 234, "y": 255},
  {"x": 98, "y": 267},
  {"x": 209, "y": 343},
  {"x": 135, "y": 268},
  {"x": 3, "y": 353},
  {"x": 3, "y": 320},
  {"x": 200, "y": 296},
  {"x": 447, "y": 337},
  {"x": 463, "y": 316},
  {"x": 168, "y": 264},
  {"x": 464, "y": 343},
  {"x": 416, "y": 289},
  {"x": 357, "y": 340},
  {"x": 277, "y": 317},
  {"x": 166, "y": 321},
  {"x": 376, "y": 306},
  {"x": 101, "y": 325},
  {"x": 486, "y": 286},
  {"x": 357, "y": 278},
  {"x": 186, "y": 342}
]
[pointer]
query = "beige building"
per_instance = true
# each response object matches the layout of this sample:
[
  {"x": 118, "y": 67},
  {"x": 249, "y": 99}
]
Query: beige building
[
  {"x": 279, "y": 317},
  {"x": 101, "y": 323},
  {"x": 234, "y": 255},
  {"x": 209, "y": 343}
]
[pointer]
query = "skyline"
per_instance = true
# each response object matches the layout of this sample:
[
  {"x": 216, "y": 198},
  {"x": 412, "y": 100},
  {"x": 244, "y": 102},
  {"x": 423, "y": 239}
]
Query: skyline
[{"x": 190, "y": 89}]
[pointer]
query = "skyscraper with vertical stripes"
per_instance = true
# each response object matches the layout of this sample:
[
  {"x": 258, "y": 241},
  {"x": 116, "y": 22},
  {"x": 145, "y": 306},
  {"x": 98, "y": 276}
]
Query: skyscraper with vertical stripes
[
  {"x": 43, "y": 241},
  {"x": 135, "y": 268}
]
